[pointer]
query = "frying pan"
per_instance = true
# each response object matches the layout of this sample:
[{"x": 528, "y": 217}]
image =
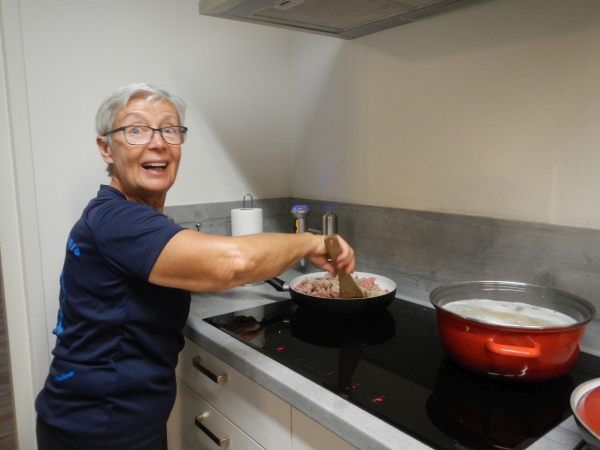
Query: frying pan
[{"x": 336, "y": 305}]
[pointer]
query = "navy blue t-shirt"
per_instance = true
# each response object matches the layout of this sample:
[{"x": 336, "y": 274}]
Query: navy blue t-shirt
[{"x": 112, "y": 383}]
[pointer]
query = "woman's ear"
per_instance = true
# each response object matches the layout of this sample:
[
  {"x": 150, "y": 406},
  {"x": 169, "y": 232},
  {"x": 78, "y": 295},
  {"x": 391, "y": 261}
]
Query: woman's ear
[{"x": 105, "y": 150}]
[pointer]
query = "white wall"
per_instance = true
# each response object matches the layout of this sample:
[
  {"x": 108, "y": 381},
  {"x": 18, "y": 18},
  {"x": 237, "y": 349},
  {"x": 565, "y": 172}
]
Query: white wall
[{"x": 492, "y": 110}]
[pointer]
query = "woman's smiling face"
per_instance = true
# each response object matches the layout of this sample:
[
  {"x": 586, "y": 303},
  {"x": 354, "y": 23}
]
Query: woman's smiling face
[{"x": 144, "y": 173}]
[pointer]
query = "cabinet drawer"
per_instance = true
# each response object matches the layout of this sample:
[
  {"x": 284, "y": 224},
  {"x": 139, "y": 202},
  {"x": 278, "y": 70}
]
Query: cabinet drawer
[
  {"x": 184, "y": 434},
  {"x": 259, "y": 413}
]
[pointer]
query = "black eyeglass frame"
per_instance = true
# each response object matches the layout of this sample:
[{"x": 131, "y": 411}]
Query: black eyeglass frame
[{"x": 183, "y": 131}]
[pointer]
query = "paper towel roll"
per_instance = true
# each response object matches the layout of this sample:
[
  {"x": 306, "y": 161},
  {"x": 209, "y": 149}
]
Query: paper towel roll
[{"x": 246, "y": 221}]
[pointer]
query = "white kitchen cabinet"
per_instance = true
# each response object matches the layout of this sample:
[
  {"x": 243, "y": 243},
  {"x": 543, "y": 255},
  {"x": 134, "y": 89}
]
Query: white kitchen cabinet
[
  {"x": 259, "y": 413},
  {"x": 310, "y": 435},
  {"x": 184, "y": 434},
  {"x": 237, "y": 408}
]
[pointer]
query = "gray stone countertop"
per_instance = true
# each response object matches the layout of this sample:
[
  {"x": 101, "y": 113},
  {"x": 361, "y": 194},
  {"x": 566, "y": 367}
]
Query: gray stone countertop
[{"x": 353, "y": 424}]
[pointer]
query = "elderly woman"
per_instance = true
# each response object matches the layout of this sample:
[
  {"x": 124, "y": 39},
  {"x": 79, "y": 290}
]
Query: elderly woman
[{"x": 126, "y": 282}]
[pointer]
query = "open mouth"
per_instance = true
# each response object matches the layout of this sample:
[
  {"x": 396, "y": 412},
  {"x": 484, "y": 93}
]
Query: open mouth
[{"x": 155, "y": 166}]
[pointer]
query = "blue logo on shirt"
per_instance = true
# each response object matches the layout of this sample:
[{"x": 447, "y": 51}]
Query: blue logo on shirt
[
  {"x": 64, "y": 376},
  {"x": 59, "y": 327},
  {"x": 71, "y": 245}
]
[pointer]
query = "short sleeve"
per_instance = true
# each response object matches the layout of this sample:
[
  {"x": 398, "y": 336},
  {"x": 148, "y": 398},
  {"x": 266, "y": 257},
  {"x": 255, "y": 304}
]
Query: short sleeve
[{"x": 130, "y": 235}]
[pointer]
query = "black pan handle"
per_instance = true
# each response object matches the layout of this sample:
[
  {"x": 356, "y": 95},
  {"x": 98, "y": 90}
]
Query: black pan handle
[{"x": 278, "y": 284}]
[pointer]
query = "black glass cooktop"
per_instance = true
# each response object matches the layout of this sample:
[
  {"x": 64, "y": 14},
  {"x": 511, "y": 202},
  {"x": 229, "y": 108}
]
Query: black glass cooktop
[{"x": 391, "y": 364}]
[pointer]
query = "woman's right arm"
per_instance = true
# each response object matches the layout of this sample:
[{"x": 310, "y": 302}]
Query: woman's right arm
[{"x": 202, "y": 262}]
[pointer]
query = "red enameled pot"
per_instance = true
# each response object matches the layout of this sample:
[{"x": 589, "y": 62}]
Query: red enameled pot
[{"x": 511, "y": 352}]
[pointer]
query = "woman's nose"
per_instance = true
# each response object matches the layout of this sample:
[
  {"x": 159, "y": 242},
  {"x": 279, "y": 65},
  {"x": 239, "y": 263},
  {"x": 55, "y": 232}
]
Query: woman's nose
[{"x": 157, "y": 139}]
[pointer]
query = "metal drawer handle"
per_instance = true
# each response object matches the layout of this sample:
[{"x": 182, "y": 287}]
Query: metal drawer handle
[
  {"x": 219, "y": 379},
  {"x": 220, "y": 442}
]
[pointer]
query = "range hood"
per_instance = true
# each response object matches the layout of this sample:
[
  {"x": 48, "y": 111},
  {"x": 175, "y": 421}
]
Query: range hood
[{"x": 347, "y": 19}]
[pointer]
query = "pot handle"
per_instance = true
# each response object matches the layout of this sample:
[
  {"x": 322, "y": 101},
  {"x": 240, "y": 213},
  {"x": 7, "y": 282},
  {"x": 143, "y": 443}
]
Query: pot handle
[
  {"x": 511, "y": 350},
  {"x": 278, "y": 284}
]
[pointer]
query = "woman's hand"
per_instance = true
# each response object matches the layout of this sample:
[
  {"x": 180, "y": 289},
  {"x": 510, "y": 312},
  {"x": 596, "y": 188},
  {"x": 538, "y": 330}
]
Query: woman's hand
[{"x": 322, "y": 260}]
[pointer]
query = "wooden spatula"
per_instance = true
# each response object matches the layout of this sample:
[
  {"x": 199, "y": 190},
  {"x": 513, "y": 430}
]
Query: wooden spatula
[{"x": 348, "y": 287}]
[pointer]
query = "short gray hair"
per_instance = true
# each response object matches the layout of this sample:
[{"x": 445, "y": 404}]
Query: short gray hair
[{"x": 120, "y": 98}]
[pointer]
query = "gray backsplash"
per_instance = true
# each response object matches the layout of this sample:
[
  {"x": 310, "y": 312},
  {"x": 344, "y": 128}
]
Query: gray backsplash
[
  {"x": 422, "y": 250},
  {"x": 215, "y": 218}
]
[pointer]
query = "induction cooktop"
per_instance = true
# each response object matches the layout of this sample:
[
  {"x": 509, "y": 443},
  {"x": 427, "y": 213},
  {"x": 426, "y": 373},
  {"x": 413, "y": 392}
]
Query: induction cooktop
[{"x": 391, "y": 363}]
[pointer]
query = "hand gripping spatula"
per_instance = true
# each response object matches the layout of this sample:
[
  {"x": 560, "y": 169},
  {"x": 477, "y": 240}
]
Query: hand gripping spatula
[{"x": 348, "y": 287}]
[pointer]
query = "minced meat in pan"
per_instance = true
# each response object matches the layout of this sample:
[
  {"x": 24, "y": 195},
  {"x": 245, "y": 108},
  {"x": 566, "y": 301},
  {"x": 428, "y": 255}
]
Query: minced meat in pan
[{"x": 329, "y": 287}]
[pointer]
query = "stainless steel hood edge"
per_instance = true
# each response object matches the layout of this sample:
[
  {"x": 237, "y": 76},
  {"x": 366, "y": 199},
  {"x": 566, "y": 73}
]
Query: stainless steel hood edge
[{"x": 346, "y": 19}]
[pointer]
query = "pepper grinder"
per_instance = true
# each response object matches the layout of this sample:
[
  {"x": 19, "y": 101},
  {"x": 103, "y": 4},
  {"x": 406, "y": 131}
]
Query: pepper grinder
[{"x": 300, "y": 212}]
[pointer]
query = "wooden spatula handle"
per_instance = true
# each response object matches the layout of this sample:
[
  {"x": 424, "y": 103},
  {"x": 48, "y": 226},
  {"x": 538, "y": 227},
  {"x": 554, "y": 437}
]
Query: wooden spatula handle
[
  {"x": 348, "y": 287},
  {"x": 333, "y": 247}
]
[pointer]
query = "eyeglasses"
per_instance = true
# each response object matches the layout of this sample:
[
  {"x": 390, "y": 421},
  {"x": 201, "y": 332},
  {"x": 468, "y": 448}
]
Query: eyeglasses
[{"x": 141, "y": 135}]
